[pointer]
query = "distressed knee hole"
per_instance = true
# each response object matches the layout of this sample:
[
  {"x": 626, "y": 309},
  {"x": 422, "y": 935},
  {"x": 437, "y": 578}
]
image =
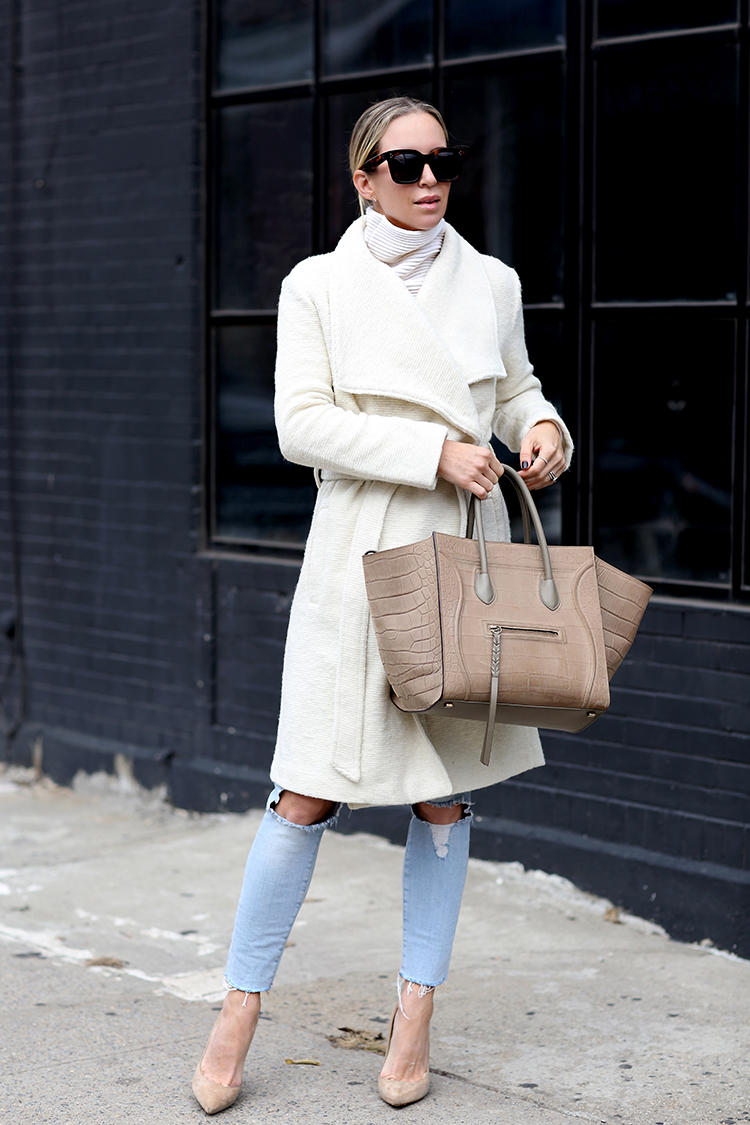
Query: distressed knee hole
[
  {"x": 328, "y": 819},
  {"x": 441, "y": 830},
  {"x": 441, "y": 834},
  {"x": 302, "y": 809}
]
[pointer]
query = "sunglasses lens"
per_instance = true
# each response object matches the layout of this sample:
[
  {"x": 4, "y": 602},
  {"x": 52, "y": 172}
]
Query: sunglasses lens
[
  {"x": 406, "y": 167},
  {"x": 447, "y": 166}
]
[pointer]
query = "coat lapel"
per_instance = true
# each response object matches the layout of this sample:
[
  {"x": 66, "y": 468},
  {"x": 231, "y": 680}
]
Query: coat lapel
[
  {"x": 385, "y": 342},
  {"x": 457, "y": 293}
]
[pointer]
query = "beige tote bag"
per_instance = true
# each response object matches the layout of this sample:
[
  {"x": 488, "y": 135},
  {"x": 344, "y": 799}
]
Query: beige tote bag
[{"x": 515, "y": 633}]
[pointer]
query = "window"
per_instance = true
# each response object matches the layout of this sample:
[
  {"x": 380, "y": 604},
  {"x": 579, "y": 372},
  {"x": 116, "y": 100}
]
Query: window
[
  {"x": 608, "y": 168},
  {"x": 662, "y": 492}
]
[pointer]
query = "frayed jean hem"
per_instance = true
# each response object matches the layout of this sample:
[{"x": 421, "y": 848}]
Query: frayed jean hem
[
  {"x": 231, "y": 987},
  {"x": 448, "y": 802},
  {"x": 422, "y": 983}
]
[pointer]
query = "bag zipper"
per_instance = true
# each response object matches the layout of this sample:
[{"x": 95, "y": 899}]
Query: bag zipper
[
  {"x": 497, "y": 632},
  {"x": 521, "y": 629}
]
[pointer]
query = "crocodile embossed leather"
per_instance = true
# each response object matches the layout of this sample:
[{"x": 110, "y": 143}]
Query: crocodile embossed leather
[{"x": 514, "y": 633}]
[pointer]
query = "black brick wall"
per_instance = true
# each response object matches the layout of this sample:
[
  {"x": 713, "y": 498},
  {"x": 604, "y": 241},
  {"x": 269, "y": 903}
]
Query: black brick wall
[
  {"x": 104, "y": 364},
  {"x": 140, "y": 646}
]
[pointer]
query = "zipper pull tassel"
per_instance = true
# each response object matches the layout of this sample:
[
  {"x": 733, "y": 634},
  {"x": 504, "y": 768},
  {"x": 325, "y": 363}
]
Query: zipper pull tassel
[{"x": 497, "y": 631}]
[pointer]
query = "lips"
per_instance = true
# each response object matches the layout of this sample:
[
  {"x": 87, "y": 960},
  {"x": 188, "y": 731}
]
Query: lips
[{"x": 428, "y": 199}]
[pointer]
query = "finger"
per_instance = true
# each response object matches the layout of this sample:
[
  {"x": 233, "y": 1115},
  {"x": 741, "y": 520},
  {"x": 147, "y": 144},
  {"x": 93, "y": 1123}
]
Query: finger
[
  {"x": 545, "y": 460},
  {"x": 477, "y": 489},
  {"x": 486, "y": 478},
  {"x": 557, "y": 466},
  {"x": 535, "y": 482},
  {"x": 535, "y": 473},
  {"x": 486, "y": 466},
  {"x": 551, "y": 475}
]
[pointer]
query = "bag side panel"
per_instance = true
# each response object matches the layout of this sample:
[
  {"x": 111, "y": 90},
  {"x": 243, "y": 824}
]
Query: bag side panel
[
  {"x": 402, "y": 594},
  {"x": 585, "y": 591},
  {"x": 452, "y": 578},
  {"x": 623, "y": 601}
]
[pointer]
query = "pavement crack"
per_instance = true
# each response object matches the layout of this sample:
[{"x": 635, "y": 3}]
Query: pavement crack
[{"x": 512, "y": 1096}]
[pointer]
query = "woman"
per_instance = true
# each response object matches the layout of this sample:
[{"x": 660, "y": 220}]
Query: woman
[{"x": 398, "y": 354}]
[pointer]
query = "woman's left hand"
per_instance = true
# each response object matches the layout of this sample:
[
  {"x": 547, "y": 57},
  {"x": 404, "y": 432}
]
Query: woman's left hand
[{"x": 544, "y": 443}]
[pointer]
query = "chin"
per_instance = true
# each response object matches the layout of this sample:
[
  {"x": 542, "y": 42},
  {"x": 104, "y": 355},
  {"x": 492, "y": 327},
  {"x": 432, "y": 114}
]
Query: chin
[
  {"x": 415, "y": 219},
  {"x": 429, "y": 221},
  {"x": 425, "y": 220}
]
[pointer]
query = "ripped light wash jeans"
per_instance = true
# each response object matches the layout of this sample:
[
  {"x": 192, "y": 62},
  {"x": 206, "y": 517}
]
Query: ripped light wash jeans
[{"x": 278, "y": 873}]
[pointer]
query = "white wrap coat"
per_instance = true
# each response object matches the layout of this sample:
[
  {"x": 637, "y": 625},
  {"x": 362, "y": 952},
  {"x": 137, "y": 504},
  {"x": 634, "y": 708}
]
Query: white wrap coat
[{"x": 370, "y": 381}]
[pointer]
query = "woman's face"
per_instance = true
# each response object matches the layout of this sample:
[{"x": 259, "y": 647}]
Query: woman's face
[{"x": 418, "y": 206}]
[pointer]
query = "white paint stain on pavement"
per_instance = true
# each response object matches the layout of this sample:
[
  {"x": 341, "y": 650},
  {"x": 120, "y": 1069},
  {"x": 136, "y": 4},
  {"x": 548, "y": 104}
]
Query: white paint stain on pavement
[{"x": 45, "y": 941}]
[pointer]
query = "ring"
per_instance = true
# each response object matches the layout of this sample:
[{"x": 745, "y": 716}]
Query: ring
[
  {"x": 543, "y": 459},
  {"x": 552, "y": 476}
]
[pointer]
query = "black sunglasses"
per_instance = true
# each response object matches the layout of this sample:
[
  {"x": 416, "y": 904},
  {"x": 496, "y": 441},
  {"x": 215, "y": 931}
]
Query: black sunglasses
[{"x": 406, "y": 164}]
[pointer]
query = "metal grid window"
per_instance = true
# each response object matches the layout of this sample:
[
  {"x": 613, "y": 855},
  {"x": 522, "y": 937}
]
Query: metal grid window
[{"x": 609, "y": 167}]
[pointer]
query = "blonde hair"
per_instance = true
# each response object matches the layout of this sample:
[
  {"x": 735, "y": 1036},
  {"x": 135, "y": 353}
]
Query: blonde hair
[{"x": 369, "y": 129}]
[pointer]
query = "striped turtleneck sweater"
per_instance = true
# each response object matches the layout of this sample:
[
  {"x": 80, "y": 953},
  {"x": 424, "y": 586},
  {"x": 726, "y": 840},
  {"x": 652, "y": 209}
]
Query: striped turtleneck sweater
[{"x": 409, "y": 252}]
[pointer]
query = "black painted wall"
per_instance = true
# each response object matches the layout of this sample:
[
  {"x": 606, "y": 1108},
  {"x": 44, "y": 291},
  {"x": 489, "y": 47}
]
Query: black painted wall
[
  {"x": 139, "y": 647},
  {"x": 105, "y": 364}
]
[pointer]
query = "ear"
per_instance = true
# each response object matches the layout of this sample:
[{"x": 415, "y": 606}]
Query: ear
[{"x": 363, "y": 185}]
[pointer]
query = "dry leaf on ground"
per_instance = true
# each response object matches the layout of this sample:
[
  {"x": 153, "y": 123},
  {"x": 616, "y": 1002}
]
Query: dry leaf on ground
[{"x": 355, "y": 1039}]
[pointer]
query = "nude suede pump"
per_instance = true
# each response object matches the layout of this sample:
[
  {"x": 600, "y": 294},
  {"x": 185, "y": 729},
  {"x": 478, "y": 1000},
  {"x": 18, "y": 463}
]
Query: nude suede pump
[{"x": 396, "y": 1091}]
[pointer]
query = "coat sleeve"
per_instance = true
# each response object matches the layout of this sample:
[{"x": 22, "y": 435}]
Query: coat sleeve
[
  {"x": 314, "y": 431},
  {"x": 519, "y": 402}
]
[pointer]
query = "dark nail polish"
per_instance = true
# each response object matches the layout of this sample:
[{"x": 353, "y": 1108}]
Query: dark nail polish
[{"x": 524, "y": 464}]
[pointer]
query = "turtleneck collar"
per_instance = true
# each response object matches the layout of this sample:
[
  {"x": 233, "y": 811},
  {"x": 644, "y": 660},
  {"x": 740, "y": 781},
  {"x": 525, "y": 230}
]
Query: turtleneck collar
[{"x": 409, "y": 252}]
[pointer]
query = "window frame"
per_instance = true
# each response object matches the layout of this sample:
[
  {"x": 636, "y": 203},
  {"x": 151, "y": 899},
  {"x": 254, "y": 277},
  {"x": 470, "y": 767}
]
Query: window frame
[{"x": 578, "y": 310}]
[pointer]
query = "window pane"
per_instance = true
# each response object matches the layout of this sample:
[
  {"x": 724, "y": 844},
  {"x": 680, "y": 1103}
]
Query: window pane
[
  {"x": 264, "y": 197},
  {"x": 376, "y": 35},
  {"x": 544, "y": 342},
  {"x": 666, "y": 172},
  {"x": 482, "y": 27},
  {"x": 662, "y": 477},
  {"x": 259, "y": 495},
  {"x": 262, "y": 42},
  {"x": 508, "y": 201},
  {"x": 631, "y": 17},
  {"x": 341, "y": 113}
]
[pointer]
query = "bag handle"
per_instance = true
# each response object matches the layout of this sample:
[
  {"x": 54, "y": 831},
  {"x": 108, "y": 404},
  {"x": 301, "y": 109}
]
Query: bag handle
[
  {"x": 524, "y": 514},
  {"x": 485, "y": 591}
]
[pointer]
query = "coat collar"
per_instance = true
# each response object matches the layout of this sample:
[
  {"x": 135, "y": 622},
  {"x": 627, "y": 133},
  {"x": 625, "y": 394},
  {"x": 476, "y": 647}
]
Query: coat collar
[{"x": 426, "y": 350}]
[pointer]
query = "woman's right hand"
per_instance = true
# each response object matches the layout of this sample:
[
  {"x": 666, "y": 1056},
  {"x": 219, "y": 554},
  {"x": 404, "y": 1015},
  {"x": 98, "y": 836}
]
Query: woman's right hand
[{"x": 473, "y": 467}]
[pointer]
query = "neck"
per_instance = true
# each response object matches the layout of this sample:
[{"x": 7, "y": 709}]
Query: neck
[{"x": 410, "y": 253}]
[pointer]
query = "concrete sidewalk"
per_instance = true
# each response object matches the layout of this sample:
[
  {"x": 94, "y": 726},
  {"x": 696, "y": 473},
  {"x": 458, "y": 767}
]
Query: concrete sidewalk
[{"x": 555, "y": 1008}]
